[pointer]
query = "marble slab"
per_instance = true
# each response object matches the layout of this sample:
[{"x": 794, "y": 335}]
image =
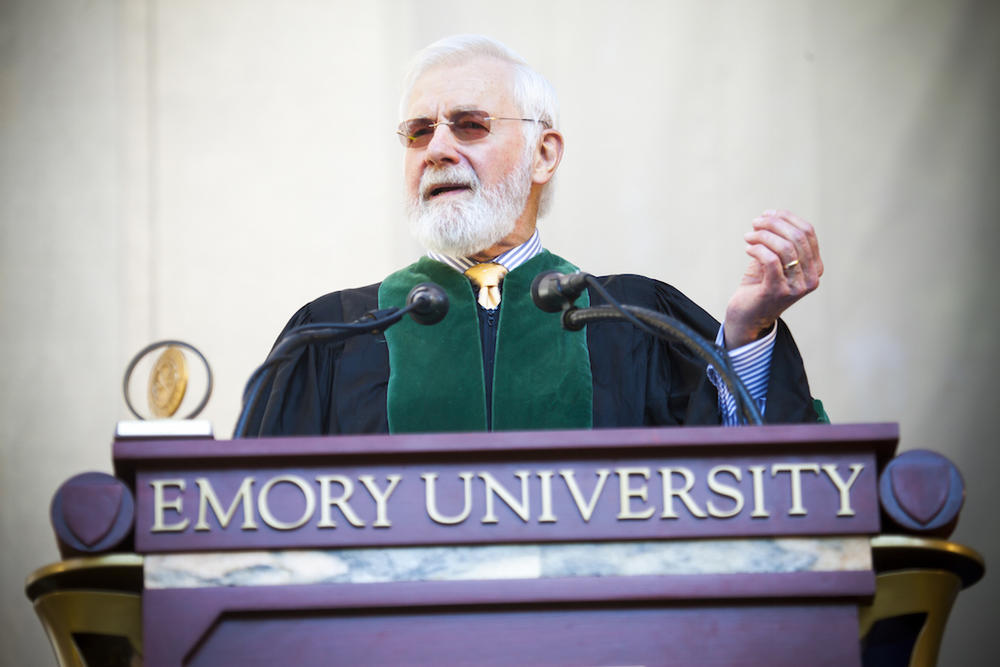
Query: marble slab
[{"x": 513, "y": 561}]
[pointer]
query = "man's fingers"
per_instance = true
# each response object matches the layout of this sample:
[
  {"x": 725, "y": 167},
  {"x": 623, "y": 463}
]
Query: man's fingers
[
  {"x": 796, "y": 280},
  {"x": 807, "y": 231},
  {"x": 810, "y": 233},
  {"x": 771, "y": 262},
  {"x": 785, "y": 250},
  {"x": 796, "y": 231},
  {"x": 788, "y": 231}
]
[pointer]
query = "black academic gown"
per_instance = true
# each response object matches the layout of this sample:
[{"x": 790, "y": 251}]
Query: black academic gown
[{"x": 637, "y": 380}]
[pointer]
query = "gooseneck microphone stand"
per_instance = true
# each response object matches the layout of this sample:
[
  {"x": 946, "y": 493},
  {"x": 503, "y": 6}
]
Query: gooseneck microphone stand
[
  {"x": 553, "y": 291},
  {"x": 427, "y": 303}
]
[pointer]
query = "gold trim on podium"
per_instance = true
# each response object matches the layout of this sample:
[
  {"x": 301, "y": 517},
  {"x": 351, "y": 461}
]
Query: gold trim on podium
[
  {"x": 917, "y": 575},
  {"x": 91, "y": 607}
]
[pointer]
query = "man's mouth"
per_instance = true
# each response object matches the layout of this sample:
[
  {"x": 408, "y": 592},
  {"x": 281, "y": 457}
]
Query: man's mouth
[{"x": 445, "y": 189}]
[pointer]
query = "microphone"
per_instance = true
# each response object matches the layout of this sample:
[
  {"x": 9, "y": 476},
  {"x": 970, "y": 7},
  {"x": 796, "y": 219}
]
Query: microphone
[
  {"x": 427, "y": 303},
  {"x": 553, "y": 291}
]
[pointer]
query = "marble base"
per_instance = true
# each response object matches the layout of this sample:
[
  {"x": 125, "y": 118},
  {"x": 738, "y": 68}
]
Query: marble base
[{"x": 512, "y": 561}]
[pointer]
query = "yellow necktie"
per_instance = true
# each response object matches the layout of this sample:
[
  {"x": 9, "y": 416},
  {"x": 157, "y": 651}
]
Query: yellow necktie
[{"x": 487, "y": 278}]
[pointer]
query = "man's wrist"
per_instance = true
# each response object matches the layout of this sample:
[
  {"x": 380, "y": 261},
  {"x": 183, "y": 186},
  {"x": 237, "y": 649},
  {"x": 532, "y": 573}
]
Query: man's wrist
[
  {"x": 765, "y": 339},
  {"x": 736, "y": 337}
]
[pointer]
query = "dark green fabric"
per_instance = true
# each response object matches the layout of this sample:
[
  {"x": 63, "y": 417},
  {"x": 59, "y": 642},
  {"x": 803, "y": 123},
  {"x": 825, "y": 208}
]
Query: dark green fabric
[
  {"x": 542, "y": 376},
  {"x": 821, "y": 415},
  {"x": 436, "y": 371}
]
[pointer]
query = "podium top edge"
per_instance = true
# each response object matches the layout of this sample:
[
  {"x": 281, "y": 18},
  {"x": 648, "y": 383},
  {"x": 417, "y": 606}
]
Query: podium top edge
[{"x": 882, "y": 437}]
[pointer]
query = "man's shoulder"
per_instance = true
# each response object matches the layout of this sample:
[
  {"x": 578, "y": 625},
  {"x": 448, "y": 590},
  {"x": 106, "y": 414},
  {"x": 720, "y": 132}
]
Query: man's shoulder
[
  {"x": 636, "y": 290},
  {"x": 340, "y": 306},
  {"x": 640, "y": 286}
]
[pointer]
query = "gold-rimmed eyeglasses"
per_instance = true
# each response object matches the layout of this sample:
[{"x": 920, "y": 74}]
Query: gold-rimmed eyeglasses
[{"x": 466, "y": 125}]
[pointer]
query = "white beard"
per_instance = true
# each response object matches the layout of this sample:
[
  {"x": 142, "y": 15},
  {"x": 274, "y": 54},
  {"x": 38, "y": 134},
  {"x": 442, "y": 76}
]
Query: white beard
[{"x": 466, "y": 224}]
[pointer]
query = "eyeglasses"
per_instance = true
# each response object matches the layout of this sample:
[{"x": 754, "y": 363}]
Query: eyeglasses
[{"x": 466, "y": 125}]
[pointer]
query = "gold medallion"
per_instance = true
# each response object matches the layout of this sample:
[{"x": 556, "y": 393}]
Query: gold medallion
[{"x": 168, "y": 382}]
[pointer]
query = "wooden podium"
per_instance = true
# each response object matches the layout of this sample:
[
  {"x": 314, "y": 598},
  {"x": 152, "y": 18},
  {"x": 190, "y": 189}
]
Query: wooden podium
[{"x": 659, "y": 546}]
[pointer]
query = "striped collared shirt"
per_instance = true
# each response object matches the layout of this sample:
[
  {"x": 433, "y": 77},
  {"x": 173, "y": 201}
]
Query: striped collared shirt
[
  {"x": 752, "y": 362},
  {"x": 510, "y": 259}
]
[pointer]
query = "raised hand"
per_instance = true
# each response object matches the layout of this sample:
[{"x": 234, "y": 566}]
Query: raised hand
[{"x": 785, "y": 266}]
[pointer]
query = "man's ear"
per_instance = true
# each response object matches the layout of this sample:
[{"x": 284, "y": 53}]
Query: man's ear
[{"x": 547, "y": 157}]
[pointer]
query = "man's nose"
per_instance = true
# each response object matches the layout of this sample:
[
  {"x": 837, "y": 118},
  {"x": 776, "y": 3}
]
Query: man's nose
[{"x": 442, "y": 147}]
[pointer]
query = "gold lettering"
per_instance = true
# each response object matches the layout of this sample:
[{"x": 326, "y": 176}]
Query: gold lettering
[
  {"x": 207, "y": 498},
  {"x": 759, "y": 511},
  {"x": 430, "y": 479},
  {"x": 265, "y": 509},
  {"x": 844, "y": 487},
  {"x": 327, "y": 501},
  {"x": 684, "y": 494},
  {"x": 546, "y": 478},
  {"x": 626, "y": 493},
  {"x": 381, "y": 499},
  {"x": 795, "y": 471},
  {"x": 160, "y": 504},
  {"x": 586, "y": 509},
  {"x": 494, "y": 488},
  {"x": 725, "y": 490}
]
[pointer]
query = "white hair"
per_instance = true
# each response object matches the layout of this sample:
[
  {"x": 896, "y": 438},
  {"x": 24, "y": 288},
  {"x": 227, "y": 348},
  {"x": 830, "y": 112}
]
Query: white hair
[{"x": 533, "y": 95}]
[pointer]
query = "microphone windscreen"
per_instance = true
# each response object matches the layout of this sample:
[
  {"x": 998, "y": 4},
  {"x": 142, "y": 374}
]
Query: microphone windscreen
[
  {"x": 429, "y": 303},
  {"x": 546, "y": 293}
]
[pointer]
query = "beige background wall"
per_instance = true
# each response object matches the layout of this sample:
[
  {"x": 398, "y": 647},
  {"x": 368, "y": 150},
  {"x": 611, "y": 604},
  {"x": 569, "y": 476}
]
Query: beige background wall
[{"x": 199, "y": 170}]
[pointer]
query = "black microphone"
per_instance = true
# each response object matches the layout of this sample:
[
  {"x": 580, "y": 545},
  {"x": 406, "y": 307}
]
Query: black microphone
[
  {"x": 553, "y": 291},
  {"x": 427, "y": 303}
]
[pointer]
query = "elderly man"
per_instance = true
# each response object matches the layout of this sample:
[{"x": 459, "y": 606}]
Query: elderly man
[{"x": 481, "y": 148}]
